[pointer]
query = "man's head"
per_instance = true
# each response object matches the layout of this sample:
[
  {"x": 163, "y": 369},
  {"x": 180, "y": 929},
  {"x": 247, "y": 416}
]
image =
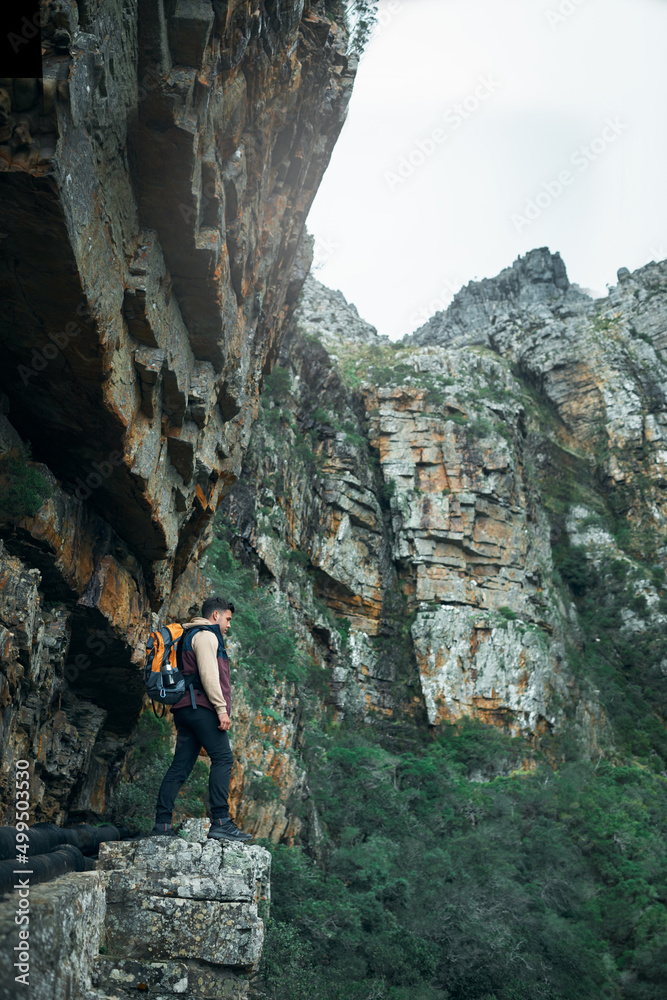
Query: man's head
[{"x": 218, "y": 611}]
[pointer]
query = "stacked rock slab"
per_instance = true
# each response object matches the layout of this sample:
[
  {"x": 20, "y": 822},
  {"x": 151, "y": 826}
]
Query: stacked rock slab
[
  {"x": 66, "y": 931},
  {"x": 154, "y": 186},
  {"x": 170, "y": 916}
]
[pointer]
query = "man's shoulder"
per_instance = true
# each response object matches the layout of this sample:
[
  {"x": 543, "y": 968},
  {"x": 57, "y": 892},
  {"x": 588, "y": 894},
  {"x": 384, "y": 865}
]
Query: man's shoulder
[{"x": 205, "y": 635}]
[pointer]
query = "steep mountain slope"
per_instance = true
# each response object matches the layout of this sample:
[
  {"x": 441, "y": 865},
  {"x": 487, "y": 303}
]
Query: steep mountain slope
[
  {"x": 465, "y": 532},
  {"x": 445, "y": 497}
]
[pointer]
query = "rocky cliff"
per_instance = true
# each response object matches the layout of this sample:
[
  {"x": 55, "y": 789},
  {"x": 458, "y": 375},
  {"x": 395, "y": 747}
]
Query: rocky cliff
[
  {"x": 154, "y": 188},
  {"x": 436, "y": 509},
  {"x": 159, "y": 916}
]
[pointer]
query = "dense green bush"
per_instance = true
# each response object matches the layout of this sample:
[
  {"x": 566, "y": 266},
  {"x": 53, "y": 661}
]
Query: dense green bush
[
  {"x": 277, "y": 385},
  {"x": 23, "y": 488},
  {"x": 538, "y": 884},
  {"x": 626, "y": 665}
]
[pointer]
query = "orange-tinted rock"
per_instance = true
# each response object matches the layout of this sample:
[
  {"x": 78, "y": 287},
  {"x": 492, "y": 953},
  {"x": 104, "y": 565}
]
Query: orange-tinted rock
[{"x": 155, "y": 211}]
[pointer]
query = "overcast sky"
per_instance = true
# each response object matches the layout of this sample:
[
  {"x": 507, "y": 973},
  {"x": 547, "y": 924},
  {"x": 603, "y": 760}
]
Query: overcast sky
[{"x": 479, "y": 129}]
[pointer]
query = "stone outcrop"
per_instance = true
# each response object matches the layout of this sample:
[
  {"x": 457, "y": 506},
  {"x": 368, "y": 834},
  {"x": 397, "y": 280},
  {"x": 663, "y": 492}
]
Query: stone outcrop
[
  {"x": 154, "y": 189},
  {"x": 172, "y": 899},
  {"x": 172, "y": 916},
  {"x": 424, "y": 484},
  {"x": 65, "y": 933},
  {"x": 535, "y": 291}
]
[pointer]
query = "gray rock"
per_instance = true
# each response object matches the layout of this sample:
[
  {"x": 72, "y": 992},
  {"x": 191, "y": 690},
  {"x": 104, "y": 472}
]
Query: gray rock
[
  {"x": 327, "y": 315},
  {"x": 177, "y": 917},
  {"x": 66, "y": 929},
  {"x": 532, "y": 292},
  {"x": 171, "y": 898},
  {"x": 123, "y": 978}
]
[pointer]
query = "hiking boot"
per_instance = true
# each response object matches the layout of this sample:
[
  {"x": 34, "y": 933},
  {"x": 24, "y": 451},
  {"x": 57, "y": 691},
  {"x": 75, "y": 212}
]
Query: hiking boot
[
  {"x": 162, "y": 830},
  {"x": 228, "y": 830}
]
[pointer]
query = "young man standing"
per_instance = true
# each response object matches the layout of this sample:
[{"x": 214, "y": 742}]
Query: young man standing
[{"x": 204, "y": 655}]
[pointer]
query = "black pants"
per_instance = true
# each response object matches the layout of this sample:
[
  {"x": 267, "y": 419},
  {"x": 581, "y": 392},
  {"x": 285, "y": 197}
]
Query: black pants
[{"x": 197, "y": 728}]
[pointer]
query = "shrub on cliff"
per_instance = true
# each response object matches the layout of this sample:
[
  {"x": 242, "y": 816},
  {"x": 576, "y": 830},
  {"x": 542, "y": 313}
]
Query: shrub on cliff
[
  {"x": 358, "y": 16},
  {"x": 542, "y": 884},
  {"x": 23, "y": 488},
  {"x": 623, "y": 645}
]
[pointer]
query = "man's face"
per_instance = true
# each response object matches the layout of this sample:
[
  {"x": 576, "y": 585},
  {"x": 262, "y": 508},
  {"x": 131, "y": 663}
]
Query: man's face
[{"x": 223, "y": 619}]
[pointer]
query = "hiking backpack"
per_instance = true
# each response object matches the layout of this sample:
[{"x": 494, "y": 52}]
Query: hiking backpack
[{"x": 163, "y": 670}]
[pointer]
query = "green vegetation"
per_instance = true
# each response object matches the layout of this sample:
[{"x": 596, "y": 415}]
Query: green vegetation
[
  {"x": 277, "y": 385},
  {"x": 624, "y": 661},
  {"x": 459, "y": 865},
  {"x": 23, "y": 488},
  {"x": 147, "y": 763},
  {"x": 358, "y": 16},
  {"x": 544, "y": 883},
  {"x": 606, "y": 324},
  {"x": 507, "y": 613},
  {"x": 268, "y": 653},
  {"x": 457, "y": 418},
  {"x": 386, "y": 492},
  {"x": 431, "y": 883},
  {"x": 481, "y": 428},
  {"x": 531, "y": 885}
]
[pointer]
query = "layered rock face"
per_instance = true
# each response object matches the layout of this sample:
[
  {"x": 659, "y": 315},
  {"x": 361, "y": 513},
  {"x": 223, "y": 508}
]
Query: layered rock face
[
  {"x": 169, "y": 900},
  {"x": 154, "y": 191},
  {"x": 417, "y": 490},
  {"x": 310, "y": 499},
  {"x": 173, "y": 917}
]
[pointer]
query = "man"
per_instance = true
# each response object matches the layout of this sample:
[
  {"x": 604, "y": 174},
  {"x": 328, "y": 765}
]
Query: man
[{"x": 207, "y": 725}]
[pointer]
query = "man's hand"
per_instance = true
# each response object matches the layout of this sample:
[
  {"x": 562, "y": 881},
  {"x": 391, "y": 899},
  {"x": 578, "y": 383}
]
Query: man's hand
[{"x": 224, "y": 722}]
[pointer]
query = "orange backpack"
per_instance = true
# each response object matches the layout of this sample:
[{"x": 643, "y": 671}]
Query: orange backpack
[{"x": 163, "y": 669}]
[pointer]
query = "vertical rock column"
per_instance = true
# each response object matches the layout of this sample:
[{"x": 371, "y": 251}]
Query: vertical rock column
[{"x": 182, "y": 918}]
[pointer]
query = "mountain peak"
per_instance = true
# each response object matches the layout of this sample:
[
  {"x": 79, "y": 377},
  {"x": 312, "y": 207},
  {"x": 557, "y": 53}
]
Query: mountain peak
[
  {"x": 531, "y": 288},
  {"x": 326, "y": 314}
]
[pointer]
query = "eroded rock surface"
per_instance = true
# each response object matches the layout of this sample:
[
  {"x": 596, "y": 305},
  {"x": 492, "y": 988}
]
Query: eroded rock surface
[
  {"x": 428, "y": 482},
  {"x": 176, "y": 917},
  {"x": 66, "y": 931},
  {"x": 154, "y": 190},
  {"x": 169, "y": 899}
]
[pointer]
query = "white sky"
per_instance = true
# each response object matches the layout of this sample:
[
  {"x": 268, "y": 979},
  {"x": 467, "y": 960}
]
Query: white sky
[{"x": 549, "y": 83}]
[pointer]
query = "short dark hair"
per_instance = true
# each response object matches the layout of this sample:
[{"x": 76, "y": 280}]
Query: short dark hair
[{"x": 212, "y": 604}]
